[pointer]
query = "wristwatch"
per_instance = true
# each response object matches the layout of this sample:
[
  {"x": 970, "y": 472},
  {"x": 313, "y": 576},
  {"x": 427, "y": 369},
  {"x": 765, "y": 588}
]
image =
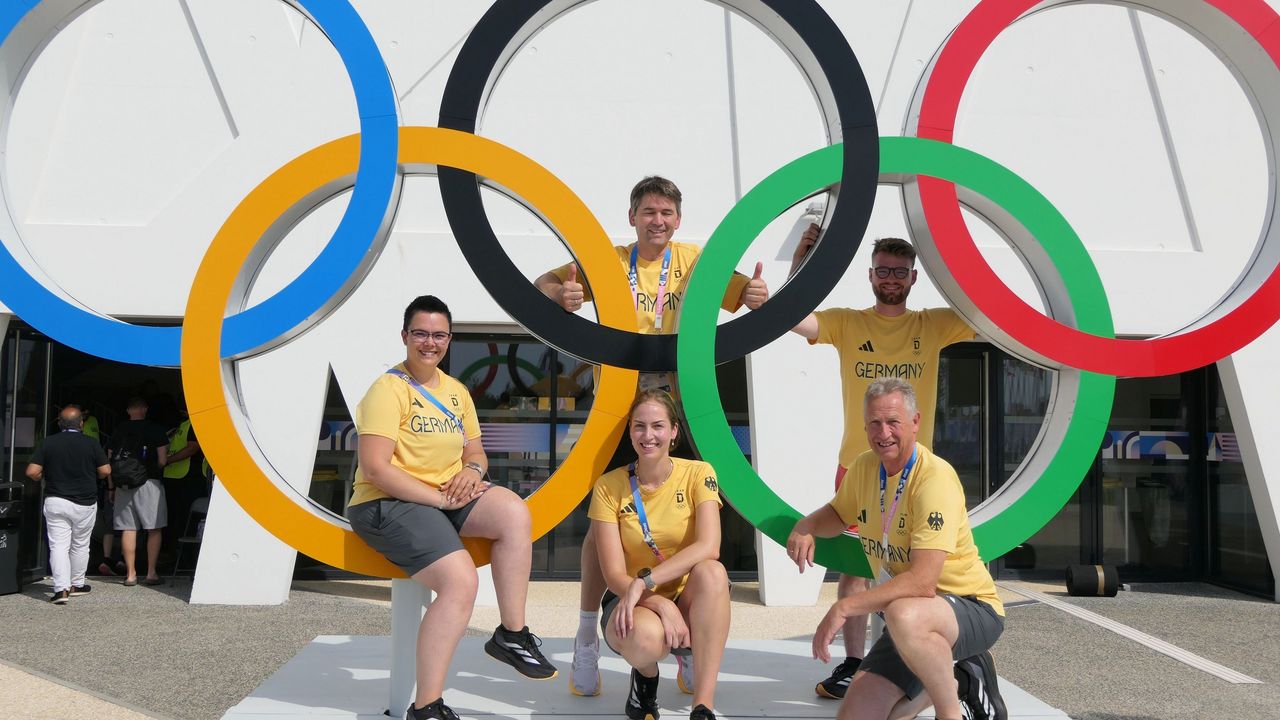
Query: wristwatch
[{"x": 646, "y": 574}]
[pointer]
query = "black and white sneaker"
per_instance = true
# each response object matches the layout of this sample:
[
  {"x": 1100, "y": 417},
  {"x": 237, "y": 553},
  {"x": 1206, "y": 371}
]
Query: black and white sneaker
[
  {"x": 520, "y": 651},
  {"x": 642, "y": 699},
  {"x": 61, "y": 597},
  {"x": 979, "y": 688},
  {"x": 702, "y": 712},
  {"x": 80, "y": 589},
  {"x": 835, "y": 686},
  {"x": 432, "y": 711}
]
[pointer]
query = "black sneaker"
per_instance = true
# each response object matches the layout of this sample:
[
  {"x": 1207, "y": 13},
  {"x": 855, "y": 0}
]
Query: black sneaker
[
  {"x": 61, "y": 597},
  {"x": 80, "y": 589},
  {"x": 835, "y": 686},
  {"x": 979, "y": 688},
  {"x": 642, "y": 699},
  {"x": 432, "y": 711},
  {"x": 520, "y": 651},
  {"x": 701, "y": 712}
]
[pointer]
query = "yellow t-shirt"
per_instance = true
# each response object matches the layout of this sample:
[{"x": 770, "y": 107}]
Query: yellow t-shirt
[
  {"x": 428, "y": 444},
  {"x": 872, "y": 345},
  {"x": 671, "y": 511},
  {"x": 683, "y": 258},
  {"x": 931, "y": 516}
]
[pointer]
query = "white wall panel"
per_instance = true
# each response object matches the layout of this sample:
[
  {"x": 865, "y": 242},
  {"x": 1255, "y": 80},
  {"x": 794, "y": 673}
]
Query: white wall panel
[{"x": 142, "y": 125}]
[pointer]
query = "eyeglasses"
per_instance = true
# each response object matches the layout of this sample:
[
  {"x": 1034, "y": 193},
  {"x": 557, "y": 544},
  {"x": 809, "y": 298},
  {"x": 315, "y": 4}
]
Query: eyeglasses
[
  {"x": 883, "y": 272},
  {"x": 421, "y": 336}
]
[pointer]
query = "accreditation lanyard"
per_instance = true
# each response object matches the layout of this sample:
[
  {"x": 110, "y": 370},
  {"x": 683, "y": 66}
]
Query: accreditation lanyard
[
  {"x": 432, "y": 399},
  {"x": 886, "y": 520},
  {"x": 644, "y": 519},
  {"x": 633, "y": 278}
]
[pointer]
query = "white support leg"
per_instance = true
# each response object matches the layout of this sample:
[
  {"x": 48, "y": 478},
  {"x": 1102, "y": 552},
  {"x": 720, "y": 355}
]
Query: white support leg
[
  {"x": 1252, "y": 389},
  {"x": 240, "y": 562},
  {"x": 409, "y": 602}
]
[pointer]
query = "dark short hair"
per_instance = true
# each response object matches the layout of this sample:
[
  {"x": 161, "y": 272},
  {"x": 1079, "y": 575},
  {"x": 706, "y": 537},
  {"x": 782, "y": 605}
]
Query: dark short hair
[
  {"x": 897, "y": 247},
  {"x": 655, "y": 185},
  {"x": 137, "y": 401},
  {"x": 426, "y": 304}
]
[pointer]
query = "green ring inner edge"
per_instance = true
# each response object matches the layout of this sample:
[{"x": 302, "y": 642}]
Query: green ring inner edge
[{"x": 806, "y": 176}]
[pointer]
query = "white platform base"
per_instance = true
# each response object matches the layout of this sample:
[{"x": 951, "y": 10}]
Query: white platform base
[{"x": 340, "y": 676}]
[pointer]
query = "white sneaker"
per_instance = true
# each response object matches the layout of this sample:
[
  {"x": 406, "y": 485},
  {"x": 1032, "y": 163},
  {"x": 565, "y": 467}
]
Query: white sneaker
[
  {"x": 684, "y": 674},
  {"x": 584, "y": 674}
]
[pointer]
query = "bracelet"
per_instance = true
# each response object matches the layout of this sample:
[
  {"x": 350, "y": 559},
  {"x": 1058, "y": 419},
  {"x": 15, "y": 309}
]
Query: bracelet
[{"x": 475, "y": 466}]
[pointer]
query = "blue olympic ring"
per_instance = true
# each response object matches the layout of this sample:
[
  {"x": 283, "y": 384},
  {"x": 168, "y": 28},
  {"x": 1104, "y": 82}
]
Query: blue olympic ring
[{"x": 376, "y": 184}]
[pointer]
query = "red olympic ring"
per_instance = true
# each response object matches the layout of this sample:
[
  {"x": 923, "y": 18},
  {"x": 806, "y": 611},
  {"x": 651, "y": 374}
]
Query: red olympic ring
[{"x": 939, "y": 201}]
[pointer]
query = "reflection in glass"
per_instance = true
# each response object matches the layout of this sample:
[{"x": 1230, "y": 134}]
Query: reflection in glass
[
  {"x": 1146, "y": 468},
  {"x": 1025, "y": 391},
  {"x": 1237, "y": 556},
  {"x": 958, "y": 432}
]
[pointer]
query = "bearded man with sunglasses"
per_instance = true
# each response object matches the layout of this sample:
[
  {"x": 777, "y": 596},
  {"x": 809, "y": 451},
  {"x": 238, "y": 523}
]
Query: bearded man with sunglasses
[{"x": 885, "y": 340}]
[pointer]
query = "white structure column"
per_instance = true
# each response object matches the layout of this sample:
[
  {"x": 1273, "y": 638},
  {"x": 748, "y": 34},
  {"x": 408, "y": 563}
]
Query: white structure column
[
  {"x": 1250, "y": 384},
  {"x": 409, "y": 602},
  {"x": 240, "y": 563}
]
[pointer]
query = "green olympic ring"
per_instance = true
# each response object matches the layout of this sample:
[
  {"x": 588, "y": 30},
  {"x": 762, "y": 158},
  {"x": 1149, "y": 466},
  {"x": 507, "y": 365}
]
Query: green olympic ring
[
  {"x": 488, "y": 360},
  {"x": 806, "y": 176}
]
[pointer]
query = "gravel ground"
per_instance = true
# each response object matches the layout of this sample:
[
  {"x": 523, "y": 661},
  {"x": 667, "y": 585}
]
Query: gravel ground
[{"x": 146, "y": 650}]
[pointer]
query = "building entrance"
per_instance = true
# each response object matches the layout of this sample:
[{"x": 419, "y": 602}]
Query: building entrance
[{"x": 39, "y": 377}]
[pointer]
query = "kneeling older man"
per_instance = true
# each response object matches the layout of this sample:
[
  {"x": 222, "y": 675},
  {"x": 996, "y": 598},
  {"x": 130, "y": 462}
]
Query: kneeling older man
[{"x": 938, "y": 601}]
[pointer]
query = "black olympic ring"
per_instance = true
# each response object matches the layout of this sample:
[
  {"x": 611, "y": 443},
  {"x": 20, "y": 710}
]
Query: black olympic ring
[{"x": 497, "y": 37}]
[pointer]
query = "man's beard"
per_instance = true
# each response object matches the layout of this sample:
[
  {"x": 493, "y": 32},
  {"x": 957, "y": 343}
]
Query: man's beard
[{"x": 890, "y": 298}]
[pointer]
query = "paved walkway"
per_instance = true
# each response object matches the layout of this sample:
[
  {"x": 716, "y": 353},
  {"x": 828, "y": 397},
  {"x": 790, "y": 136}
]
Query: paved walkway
[{"x": 139, "y": 652}]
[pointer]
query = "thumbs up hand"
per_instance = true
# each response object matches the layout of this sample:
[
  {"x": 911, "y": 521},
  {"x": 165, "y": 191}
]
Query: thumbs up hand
[
  {"x": 756, "y": 291},
  {"x": 570, "y": 296}
]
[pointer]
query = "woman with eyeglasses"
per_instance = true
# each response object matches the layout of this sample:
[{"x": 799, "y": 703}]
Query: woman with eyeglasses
[
  {"x": 656, "y": 524},
  {"x": 421, "y": 486}
]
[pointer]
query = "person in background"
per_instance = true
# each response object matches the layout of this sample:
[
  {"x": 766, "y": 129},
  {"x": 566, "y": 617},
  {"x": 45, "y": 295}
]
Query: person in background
[
  {"x": 141, "y": 507},
  {"x": 70, "y": 465},
  {"x": 185, "y": 475}
]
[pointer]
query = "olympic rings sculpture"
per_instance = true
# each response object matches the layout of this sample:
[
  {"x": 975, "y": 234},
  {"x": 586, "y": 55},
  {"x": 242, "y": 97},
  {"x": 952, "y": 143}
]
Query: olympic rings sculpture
[{"x": 1076, "y": 338}]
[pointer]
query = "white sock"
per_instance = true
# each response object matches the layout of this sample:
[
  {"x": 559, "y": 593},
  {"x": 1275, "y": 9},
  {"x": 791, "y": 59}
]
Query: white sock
[{"x": 588, "y": 623}]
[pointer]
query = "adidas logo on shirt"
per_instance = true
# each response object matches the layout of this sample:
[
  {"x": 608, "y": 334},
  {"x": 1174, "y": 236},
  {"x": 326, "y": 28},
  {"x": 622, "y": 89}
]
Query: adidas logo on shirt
[{"x": 866, "y": 347}]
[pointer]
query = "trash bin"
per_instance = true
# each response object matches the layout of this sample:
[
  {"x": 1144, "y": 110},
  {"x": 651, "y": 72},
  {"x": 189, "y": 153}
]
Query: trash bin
[{"x": 10, "y": 528}]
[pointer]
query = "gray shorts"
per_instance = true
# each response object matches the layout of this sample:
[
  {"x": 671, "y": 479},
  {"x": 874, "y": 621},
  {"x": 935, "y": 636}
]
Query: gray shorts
[
  {"x": 140, "y": 508},
  {"x": 410, "y": 535},
  {"x": 980, "y": 627}
]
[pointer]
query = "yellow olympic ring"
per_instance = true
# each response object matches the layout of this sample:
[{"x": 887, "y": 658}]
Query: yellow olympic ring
[{"x": 291, "y": 518}]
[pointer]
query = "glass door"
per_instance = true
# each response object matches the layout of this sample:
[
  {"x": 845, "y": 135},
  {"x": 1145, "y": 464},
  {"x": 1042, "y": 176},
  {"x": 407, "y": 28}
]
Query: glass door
[
  {"x": 1149, "y": 462},
  {"x": 960, "y": 434},
  {"x": 1237, "y": 555},
  {"x": 25, "y": 367}
]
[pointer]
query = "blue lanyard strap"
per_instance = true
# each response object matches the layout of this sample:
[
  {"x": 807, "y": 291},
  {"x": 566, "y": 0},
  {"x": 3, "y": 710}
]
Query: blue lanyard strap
[
  {"x": 634, "y": 280},
  {"x": 885, "y": 520},
  {"x": 432, "y": 399},
  {"x": 640, "y": 514}
]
